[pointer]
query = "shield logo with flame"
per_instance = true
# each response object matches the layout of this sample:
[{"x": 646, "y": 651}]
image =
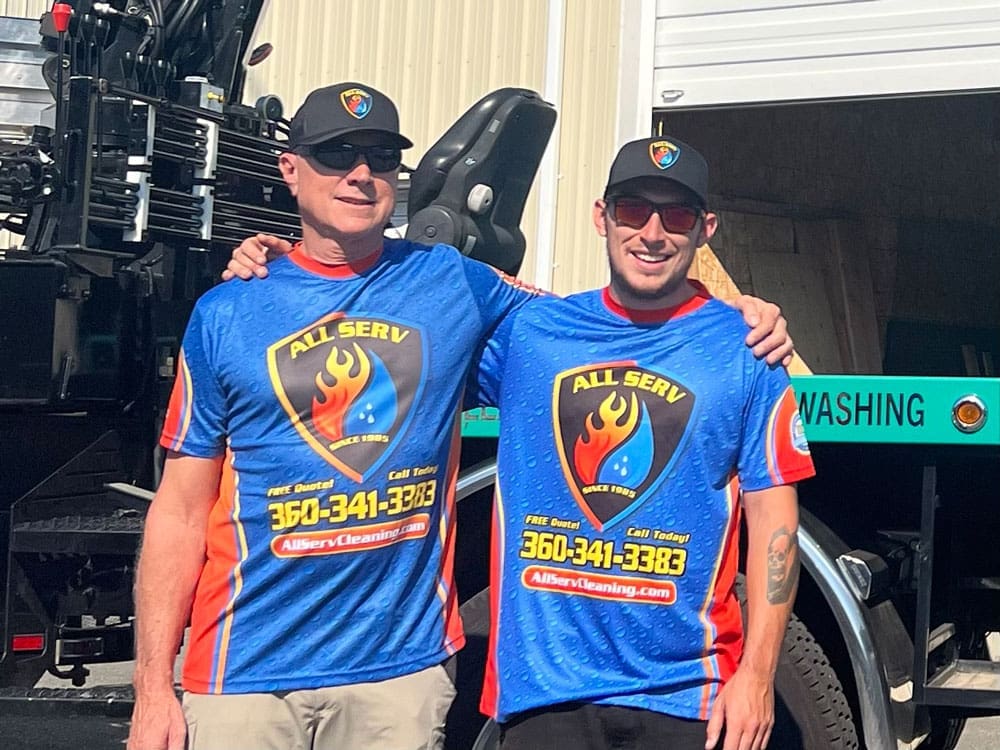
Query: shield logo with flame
[
  {"x": 618, "y": 428},
  {"x": 357, "y": 102},
  {"x": 663, "y": 153},
  {"x": 347, "y": 384}
]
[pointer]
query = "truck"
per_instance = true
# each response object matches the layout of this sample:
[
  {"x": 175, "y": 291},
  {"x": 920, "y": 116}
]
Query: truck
[
  {"x": 129, "y": 170},
  {"x": 853, "y": 148}
]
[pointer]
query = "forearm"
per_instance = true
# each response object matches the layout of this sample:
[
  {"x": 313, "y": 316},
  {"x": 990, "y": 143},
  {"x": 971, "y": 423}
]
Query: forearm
[
  {"x": 772, "y": 574},
  {"x": 170, "y": 563}
]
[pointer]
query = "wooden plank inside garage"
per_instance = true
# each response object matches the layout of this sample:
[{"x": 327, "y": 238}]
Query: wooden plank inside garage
[
  {"x": 731, "y": 267},
  {"x": 797, "y": 284},
  {"x": 839, "y": 249},
  {"x": 816, "y": 270}
]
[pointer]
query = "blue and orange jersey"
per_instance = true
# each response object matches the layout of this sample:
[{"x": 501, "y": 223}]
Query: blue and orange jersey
[
  {"x": 334, "y": 394},
  {"x": 626, "y": 440}
]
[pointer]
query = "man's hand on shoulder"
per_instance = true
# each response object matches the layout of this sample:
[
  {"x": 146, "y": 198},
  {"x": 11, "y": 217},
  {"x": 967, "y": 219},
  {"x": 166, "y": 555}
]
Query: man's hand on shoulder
[
  {"x": 768, "y": 335},
  {"x": 252, "y": 256}
]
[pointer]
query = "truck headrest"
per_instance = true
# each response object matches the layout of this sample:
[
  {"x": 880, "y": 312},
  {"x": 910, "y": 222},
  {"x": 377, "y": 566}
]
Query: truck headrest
[{"x": 470, "y": 188}]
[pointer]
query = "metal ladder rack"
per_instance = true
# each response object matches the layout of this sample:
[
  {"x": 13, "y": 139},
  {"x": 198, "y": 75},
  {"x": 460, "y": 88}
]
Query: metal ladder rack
[{"x": 969, "y": 683}]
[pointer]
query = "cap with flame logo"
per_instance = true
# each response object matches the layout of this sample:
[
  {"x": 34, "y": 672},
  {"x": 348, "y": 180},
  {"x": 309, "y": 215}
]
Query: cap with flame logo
[
  {"x": 343, "y": 109},
  {"x": 659, "y": 158}
]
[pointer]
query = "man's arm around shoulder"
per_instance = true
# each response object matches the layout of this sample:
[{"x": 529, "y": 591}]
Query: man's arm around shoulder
[
  {"x": 173, "y": 554},
  {"x": 746, "y": 703}
]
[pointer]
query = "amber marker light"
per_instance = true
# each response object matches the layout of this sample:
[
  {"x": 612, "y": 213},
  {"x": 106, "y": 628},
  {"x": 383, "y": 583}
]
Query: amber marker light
[{"x": 969, "y": 413}]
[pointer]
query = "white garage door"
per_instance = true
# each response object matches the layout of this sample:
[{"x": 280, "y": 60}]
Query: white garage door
[{"x": 711, "y": 52}]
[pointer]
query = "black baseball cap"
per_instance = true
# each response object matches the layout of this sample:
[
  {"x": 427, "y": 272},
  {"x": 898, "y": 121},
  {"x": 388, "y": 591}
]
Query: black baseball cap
[
  {"x": 661, "y": 157},
  {"x": 343, "y": 109}
]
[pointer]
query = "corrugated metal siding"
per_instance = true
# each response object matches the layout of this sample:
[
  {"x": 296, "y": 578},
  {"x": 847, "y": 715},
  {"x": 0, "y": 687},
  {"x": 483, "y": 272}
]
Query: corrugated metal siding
[
  {"x": 435, "y": 58},
  {"x": 24, "y": 95},
  {"x": 587, "y": 116},
  {"x": 741, "y": 51},
  {"x": 24, "y": 8}
]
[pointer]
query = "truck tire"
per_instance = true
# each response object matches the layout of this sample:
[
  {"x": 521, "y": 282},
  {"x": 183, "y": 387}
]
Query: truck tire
[{"x": 811, "y": 712}]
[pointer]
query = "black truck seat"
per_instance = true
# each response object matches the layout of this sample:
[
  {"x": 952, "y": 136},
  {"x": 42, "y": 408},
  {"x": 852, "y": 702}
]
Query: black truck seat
[{"x": 470, "y": 188}]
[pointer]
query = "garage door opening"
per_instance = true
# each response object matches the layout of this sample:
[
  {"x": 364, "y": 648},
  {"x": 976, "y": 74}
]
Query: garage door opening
[{"x": 874, "y": 224}]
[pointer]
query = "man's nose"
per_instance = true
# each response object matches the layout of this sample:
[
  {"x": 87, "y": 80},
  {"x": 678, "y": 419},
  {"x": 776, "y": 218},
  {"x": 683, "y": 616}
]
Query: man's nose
[
  {"x": 653, "y": 231},
  {"x": 361, "y": 171}
]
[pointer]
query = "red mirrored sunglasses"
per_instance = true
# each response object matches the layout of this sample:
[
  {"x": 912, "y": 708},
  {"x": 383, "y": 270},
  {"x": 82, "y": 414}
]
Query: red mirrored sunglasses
[{"x": 635, "y": 212}]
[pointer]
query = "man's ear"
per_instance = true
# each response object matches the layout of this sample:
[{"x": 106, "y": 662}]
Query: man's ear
[
  {"x": 709, "y": 224},
  {"x": 288, "y": 166},
  {"x": 600, "y": 217}
]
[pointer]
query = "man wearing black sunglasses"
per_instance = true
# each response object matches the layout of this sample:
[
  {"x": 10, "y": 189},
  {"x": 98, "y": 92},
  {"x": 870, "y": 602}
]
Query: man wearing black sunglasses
[
  {"x": 615, "y": 555},
  {"x": 306, "y": 516}
]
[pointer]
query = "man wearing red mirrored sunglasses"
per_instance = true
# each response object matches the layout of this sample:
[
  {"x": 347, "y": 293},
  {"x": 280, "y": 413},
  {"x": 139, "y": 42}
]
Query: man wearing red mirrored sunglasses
[
  {"x": 616, "y": 622},
  {"x": 653, "y": 224}
]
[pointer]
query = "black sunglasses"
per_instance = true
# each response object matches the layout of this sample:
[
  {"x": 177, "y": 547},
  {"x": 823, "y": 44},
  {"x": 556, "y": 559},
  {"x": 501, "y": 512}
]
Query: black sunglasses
[
  {"x": 635, "y": 212},
  {"x": 343, "y": 156}
]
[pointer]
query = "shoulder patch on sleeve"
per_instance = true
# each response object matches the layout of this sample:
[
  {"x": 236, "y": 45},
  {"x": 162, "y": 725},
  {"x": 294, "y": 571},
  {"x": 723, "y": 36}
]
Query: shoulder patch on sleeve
[{"x": 518, "y": 284}]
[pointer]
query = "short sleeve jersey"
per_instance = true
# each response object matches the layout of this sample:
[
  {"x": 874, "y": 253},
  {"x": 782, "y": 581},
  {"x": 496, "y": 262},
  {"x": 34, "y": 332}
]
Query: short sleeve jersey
[
  {"x": 625, "y": 440},
  {"x": 334, "y": 394}
]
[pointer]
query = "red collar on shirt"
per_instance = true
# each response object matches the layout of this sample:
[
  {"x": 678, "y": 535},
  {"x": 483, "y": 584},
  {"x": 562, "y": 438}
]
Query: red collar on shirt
[
  {"x": 663, "y": 314},
  {"x": 332, "y": 270}
]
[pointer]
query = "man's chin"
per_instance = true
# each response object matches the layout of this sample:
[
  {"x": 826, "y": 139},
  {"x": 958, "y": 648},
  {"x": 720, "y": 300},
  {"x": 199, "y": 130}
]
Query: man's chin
[
  {"x": 354, "y": 245},
  {"x": 655, "y": 294},
  {"x": 354, "y": 231}
]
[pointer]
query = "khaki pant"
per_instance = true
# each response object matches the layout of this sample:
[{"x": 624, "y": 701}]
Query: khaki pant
[{"x": 404, "y": 713}]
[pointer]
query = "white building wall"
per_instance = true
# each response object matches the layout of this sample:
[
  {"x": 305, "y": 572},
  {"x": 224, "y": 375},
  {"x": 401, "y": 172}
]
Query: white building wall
[
  {"x": 743, "y": 51},
  {"x": 24, "y": 8},
  {"x": 588, "y": 113}
]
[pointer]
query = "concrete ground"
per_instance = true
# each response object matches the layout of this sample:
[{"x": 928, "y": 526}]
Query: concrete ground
[
  {"x": 980, "y": 734},
  {"x": 47, "y": 732}
]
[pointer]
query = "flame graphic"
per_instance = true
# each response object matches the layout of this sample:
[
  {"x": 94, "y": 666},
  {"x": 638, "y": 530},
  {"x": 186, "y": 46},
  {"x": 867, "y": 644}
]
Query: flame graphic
[
  {"x": 663, "y": 153},
  {"x": 358, "y": 104},
  {"x": 590, "y": 452},
  {"x": 328, "y": 413}
]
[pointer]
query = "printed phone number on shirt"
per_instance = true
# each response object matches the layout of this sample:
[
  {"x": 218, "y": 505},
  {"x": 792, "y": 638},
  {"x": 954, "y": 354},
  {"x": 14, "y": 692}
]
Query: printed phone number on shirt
[
  {"x": 362, "y": 505},
  {"x": 630, "y": 557}
]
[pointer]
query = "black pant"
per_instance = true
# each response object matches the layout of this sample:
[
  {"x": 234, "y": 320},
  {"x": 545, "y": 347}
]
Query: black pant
[{"x": 587, "y": 726}]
